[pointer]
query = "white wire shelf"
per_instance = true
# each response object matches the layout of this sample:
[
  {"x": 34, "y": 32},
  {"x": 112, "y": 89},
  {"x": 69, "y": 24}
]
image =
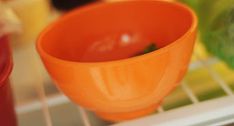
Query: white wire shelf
[{"x": 217, "y": 110}]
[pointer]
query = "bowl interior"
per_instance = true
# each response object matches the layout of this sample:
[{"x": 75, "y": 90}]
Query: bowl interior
[{"x": 112, "y": 31}]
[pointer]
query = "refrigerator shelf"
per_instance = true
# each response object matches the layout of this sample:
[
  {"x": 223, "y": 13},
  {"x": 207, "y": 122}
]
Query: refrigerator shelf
[{"x": 205, "y": 97}]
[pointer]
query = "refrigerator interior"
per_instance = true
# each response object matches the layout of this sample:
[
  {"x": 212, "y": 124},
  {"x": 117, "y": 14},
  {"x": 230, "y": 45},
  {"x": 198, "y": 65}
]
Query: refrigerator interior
[{"x": 205, "y": 96}]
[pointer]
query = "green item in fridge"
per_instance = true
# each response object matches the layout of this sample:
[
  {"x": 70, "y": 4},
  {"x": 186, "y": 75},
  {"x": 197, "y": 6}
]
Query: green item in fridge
[
  {"x": 216, "y": 25},
  {"x": 148, "y": 49}
]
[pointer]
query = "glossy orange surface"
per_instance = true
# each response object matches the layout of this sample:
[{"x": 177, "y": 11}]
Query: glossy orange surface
[{"x": 87, "y": 52}]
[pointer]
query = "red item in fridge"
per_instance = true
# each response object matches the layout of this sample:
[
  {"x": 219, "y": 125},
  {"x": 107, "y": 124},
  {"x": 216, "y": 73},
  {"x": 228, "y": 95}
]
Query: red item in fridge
[{"x": 7, "y": 113}]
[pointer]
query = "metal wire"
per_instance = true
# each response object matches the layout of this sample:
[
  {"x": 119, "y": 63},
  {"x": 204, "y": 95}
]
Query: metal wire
[
  {"x": 39, "y": 85},
  {"x": 84, "y": 116},
  {"x": 189, "y": 92},
  {"x": 215, "y": 76}
]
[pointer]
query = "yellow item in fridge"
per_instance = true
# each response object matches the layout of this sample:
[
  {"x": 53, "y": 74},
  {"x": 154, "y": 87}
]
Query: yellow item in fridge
[
  {"x": 33, "y": 15},
  {"x": 200, "y": 50}
]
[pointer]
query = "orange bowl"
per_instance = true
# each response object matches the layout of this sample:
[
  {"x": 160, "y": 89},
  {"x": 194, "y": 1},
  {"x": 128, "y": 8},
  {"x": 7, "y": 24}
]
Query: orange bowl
[{"x": 89, "y": 54}]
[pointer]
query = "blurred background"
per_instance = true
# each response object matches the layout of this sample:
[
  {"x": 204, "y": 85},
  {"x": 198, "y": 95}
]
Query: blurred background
[{"x": 210, "y": 78}]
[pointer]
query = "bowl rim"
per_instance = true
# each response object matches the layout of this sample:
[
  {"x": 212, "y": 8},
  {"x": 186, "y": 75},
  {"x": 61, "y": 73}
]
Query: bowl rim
[{"x": 43, "y": 53}]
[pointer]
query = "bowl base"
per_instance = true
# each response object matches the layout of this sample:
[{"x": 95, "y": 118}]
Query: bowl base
[{"x": 118, "y": 117}]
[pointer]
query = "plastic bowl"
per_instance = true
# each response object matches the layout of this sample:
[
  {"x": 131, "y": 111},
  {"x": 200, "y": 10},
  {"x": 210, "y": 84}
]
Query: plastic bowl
[{"x": 88, "y": 53}]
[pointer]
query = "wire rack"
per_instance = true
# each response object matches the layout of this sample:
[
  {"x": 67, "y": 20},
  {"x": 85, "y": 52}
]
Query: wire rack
[{"x": 205, "y": 97}]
